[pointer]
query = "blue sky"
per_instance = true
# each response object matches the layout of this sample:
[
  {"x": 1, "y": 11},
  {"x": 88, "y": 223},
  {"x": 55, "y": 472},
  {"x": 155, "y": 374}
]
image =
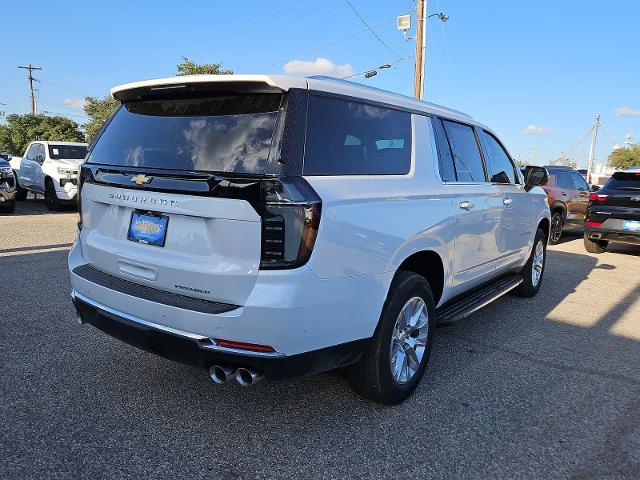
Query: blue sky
[{"x": 510, "y": 64}]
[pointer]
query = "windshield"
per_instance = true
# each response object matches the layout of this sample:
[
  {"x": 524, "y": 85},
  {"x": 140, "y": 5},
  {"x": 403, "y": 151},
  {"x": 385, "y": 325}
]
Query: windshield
[
  {"x": 74, "y": 152},
  {"x": 624, "y": 181},
  {"x": 224, "y": 133},
  {"x": 5, "y": 156}
]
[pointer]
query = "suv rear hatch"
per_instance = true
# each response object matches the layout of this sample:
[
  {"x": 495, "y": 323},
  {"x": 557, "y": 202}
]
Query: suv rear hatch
[
  {"x": 171, "y": 191},
  {"x": 617, "y": 201}
]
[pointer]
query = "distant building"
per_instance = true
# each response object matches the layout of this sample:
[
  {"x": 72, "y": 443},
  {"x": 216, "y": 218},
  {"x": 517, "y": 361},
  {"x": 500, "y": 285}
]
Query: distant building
[{"x": 564, "y": 162}]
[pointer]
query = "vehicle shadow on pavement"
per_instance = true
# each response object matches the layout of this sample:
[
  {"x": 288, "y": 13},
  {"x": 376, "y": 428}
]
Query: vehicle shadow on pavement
[
  {"x": 516, "y": 390},
  {"x": 37, "y": 206}
]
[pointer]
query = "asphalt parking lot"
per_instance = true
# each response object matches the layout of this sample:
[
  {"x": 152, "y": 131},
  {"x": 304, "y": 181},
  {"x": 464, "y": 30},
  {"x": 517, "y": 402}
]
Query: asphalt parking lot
[{"x": 542, "y": 388}]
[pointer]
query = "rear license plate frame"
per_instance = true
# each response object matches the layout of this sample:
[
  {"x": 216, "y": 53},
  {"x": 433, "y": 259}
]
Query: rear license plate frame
[{"x": 153, "y": 238}]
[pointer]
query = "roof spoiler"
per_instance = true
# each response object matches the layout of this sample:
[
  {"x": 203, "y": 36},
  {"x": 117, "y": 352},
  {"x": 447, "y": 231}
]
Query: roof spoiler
[{"x": 195, "y": 85}]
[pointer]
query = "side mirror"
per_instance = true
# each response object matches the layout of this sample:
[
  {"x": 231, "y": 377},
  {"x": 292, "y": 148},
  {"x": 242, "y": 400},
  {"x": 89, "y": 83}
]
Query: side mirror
[
  {"x": 535, "y": 176},
  {"x": 40, "y": 158},
  {"x": 595, "y": 188}
]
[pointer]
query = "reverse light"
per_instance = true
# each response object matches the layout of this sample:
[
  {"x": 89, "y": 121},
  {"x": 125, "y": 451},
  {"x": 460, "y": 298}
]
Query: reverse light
[
  {"x": 252, "y": 347},
  {"x": 597, "y": 197},
  {"x": 290, "y": 223}
]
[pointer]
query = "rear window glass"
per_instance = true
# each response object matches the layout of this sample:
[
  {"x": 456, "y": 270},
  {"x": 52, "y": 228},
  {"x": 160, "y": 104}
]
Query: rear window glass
[
  {"x": 75, "y": 152},
  {"x": 351, "y": 138},
  {"x": 624, "y": 181},
  {"x": 224, "y": 133}
]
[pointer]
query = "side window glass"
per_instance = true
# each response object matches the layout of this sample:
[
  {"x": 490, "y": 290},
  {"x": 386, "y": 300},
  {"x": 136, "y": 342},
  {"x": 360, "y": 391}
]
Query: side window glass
[
  {"x": 445, "y": 160},
  {"x": 579, "y": 182},
  {"x": 31, "y": 153},
  {"x": 564, "y": 181},
  {"x": 500, "y": 167},
  {"x": 466, "y": 156}
]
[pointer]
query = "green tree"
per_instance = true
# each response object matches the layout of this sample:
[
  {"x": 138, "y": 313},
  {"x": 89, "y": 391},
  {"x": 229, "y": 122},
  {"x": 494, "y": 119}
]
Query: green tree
[
  {"x": 625, "y": 157},
  {"x": 20, "y": 130},
  {"x": 98, "y": 110},
  {"x": 189, "y": 67}
]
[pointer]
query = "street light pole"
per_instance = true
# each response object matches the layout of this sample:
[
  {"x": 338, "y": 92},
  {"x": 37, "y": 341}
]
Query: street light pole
[
  {"x": 421, "y": 47},
  {"x": 418, "y": 73},
  {"x": 592, "y": 148}
]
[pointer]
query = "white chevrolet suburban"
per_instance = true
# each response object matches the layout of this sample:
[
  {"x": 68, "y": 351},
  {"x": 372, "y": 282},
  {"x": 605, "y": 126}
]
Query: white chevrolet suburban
[
  {"x": 273, "y": 226},
  {"x": 50, "y": 168}
]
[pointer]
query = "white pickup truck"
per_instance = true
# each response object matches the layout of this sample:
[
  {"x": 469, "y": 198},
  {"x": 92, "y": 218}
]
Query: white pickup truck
[{"x": 50, "y": 168}]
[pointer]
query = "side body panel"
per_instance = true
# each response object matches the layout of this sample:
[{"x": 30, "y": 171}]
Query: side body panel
[
  {"x": 27, "y": 167},
  {"x": 371, "y": 224},
  {"x": 516, "y": 226},
  {"x": 478, "y": 210}
]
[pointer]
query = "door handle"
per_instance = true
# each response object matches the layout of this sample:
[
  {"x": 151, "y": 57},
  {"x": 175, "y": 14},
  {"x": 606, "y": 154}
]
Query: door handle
[
  {"x": 507, "y": 201},
  {"x": 466, "y": 205}
]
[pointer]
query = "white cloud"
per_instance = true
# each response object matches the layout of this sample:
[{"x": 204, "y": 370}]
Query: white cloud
[
  {"x": 535, "y": 130},
  {"x": 320, "y": 66},
  {"x": 75, "y": 102},
  {"x": 627, "y": 112}
]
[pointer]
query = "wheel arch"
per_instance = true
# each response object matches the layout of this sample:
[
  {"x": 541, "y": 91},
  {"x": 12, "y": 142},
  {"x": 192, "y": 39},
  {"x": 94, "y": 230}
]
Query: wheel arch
[
  {"x": 428, "y": 264},
  {"x": 559, "y": 206},
  {"x": 545, "y": 225}
]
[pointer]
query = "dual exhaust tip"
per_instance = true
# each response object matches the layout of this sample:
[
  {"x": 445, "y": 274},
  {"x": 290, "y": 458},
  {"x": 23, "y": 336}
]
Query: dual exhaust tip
[{"x": 244, "y": 376}]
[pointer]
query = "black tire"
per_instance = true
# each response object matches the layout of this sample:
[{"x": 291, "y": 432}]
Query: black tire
[
  {"x": 8, "y": 207},
  {"x": 50, "y": 197},
  {"x": 21, "y": 193},
  {"x": 371, "y": 377},
  {"x": 528, "y": 288},
  {"x": 594, "y": 246},
  {"x": 555, "y": 229}
]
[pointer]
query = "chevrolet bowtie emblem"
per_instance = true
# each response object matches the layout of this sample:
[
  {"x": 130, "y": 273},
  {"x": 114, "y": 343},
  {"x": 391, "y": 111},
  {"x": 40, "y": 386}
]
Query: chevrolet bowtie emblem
[{"x": 141, "y": 179}]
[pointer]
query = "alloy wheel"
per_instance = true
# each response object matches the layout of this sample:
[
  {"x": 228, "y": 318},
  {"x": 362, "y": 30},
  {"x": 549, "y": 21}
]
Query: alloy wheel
[
  {"x": 556, "y": 228},
  {"x": 409, "y": 340},
  {"x": 538, "y": 263}
]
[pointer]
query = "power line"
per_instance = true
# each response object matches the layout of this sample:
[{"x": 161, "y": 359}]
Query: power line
[
  {"x": 610, "y": 133},
  {"x": 392, "y": 64},
  {"x": 328, "y": 44},
  {"x": 371, "y": 29}
]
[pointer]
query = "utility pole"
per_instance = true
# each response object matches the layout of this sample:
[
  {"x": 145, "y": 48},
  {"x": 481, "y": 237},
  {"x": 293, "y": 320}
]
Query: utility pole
[
  {"x": 592, "y": 149},
  {"x": 421, "y": 45},
  {"x": 31, "y": 68}
]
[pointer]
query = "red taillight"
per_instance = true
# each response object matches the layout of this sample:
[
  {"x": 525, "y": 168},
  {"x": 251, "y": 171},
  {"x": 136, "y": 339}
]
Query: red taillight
[
  {"x": 253, "y": 347},
  {"x": 597, "y": 197},
  {"x": 592, "y": 224},
  {"x": 290, "y": 223}
]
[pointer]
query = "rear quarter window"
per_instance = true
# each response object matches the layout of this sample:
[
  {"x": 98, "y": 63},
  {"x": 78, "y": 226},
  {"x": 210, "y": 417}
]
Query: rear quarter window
[{"x": 351, "y": 138}]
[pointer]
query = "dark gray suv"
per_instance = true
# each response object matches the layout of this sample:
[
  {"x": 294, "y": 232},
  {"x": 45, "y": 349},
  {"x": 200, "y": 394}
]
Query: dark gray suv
[{"x": 7, "y": 188}]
